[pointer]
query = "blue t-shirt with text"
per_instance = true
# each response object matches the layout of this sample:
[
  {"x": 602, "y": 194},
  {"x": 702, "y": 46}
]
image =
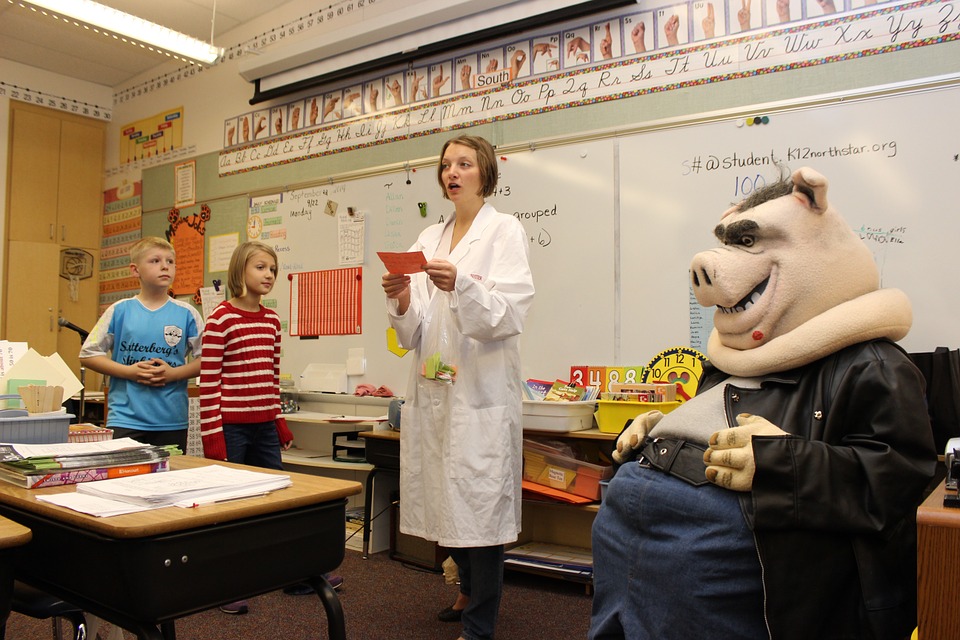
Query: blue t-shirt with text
[{"x": 130, "y": 333}]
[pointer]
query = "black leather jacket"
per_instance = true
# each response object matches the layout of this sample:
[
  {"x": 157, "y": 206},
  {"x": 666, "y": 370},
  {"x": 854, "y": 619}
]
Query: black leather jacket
[{"x": 833, "y": 510}]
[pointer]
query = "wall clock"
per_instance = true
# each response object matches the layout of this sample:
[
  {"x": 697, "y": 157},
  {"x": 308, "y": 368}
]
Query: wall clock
[{"x": 680, "y": 365}]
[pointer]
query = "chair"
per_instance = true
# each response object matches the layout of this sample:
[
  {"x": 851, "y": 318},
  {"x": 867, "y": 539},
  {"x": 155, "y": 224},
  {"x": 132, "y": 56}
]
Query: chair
[{"x": 40, "y": 605}]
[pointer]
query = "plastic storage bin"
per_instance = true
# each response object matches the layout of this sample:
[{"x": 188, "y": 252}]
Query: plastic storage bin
[
  {"x": 613, "y": 414},
  {"x": 40, "y": 428},
  {"x": 564, "y": 473},
  {"x": 540, "y": 415}
]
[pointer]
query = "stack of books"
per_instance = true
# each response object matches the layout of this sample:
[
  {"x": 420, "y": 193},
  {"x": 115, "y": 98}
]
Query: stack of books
[
  {"x": 354, "y": 539},
  {"x": 559, "y": 390},
  {"x": 47, "y": 465}
]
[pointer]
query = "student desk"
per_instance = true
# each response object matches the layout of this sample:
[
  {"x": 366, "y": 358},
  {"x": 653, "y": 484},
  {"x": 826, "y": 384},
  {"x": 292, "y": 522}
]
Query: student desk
[
  {"x": 12, "y": 536},
  {"x": 382, "y": 450},
  {"x": 143, "y": 570}
]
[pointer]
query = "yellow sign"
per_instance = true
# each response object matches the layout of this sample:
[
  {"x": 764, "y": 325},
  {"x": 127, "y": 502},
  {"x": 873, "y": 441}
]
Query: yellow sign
[{"x": 393, "y": 343}]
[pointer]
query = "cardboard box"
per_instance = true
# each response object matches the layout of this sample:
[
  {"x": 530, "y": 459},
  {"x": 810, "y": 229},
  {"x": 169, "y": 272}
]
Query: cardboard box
[
  {"x": 613, "y": 414},
  {"x": 564, "y": 473},
  {"x": 539, "y": 415},
  {"x": 88, "y": 433}
]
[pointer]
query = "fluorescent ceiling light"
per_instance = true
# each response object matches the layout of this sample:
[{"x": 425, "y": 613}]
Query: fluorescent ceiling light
[{"x": 94, "y": 15}]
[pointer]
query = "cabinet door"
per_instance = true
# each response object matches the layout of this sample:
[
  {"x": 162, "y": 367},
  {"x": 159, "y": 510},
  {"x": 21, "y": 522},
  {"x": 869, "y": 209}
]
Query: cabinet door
[
  {"x": 80, "y": 194},
  {"x": 30, "y": 295},
  {"x": 34, "y": 171}
]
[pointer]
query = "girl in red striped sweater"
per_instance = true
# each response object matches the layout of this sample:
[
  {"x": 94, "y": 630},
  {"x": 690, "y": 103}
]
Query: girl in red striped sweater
[
  {"x": 240, "y": 377},
  {"x": 240, "y": 371}
]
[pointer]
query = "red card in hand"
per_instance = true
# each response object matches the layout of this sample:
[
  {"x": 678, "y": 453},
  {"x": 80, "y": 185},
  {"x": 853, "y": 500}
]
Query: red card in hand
[{"x": 409, "y": 262}]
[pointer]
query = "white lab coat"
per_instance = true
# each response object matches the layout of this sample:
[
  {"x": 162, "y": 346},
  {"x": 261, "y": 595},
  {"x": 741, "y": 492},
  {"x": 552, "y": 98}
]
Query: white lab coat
[{"x": 461, "y": 445}]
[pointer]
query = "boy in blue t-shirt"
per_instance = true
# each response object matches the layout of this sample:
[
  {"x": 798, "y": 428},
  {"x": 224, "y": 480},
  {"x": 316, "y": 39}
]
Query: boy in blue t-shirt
[{"x": 142, "y": 343}]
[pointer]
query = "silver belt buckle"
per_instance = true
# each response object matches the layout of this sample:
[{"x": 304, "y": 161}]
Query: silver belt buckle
[{"x": 642, "y": 459}]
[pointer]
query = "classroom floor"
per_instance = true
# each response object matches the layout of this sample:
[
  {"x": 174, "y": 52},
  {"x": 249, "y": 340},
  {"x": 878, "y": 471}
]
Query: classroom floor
[{"x": 382, "y": 599}]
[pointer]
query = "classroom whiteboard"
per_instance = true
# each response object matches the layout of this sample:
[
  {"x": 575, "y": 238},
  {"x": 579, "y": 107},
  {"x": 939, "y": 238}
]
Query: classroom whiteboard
[
  {"x": 893, "y": 169},
  {"x": 561, "y": 195}
]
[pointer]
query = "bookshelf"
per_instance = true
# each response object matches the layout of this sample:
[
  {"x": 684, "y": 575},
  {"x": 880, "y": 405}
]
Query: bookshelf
[{"x": 565, "y": 527}]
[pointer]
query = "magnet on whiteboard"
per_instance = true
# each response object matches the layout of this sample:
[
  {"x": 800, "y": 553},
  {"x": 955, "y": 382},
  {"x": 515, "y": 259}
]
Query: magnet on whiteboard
[
  {"x": 423, "y": 209},
  {"x": 739, "y": 123}
]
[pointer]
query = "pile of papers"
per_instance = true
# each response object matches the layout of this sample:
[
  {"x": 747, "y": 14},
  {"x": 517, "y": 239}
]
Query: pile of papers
[
  {"x": 181, "y": 488},
  {"x": 45, "y": 465},
  {"x": 551, "y": 558}
]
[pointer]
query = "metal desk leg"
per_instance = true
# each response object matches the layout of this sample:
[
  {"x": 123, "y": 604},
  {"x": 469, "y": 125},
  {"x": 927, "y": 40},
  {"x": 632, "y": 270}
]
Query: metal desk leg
[
  {"x": 367, "y": 509},
  {"x": 331, "y": 604},
  {"x": 169, "y": 630}
]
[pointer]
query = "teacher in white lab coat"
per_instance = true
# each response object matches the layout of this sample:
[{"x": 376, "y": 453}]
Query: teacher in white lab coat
[{"x": 460, "y": 438}]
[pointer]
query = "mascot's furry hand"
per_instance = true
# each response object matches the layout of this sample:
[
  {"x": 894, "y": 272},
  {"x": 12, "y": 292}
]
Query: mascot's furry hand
[
  {"x": 729, "y": 458},
  {"x": 633, "y": 436}
]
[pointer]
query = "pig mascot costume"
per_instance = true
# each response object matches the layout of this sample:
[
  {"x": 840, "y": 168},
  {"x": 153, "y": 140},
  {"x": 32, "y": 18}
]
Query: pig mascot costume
[{"x": 780, "y": 501}]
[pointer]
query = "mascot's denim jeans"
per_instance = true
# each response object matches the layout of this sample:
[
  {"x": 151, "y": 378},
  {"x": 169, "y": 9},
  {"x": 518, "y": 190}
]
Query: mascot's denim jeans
[{"x": 673, "y": 562}]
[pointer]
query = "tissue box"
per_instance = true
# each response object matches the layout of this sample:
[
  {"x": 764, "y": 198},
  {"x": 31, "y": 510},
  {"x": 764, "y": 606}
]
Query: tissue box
[
  {"x": 539, "y": 415},
  {"x": 324, "y": 378},
  {"x": 564, "y": 473},
  {"x": 613, "y": 414}
]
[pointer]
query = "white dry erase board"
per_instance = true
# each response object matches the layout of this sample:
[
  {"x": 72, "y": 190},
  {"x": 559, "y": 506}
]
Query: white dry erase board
[
  {"x": 893, "y": 169},
  {"x": 562, "y": 195},
  {"x": 621, "y": 215}
]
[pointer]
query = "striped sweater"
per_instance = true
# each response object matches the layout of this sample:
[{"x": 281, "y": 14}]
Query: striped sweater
[{"x": 239, "y": 374}]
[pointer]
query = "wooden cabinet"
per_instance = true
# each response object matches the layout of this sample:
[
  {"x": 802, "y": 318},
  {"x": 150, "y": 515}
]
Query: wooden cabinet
[
  {"x": 938, "y": 545},
  {"x": 80, "y": 192},
  {"x": 32, "y": 292},
  {"x": 56, "y": 164},
  {"x": 34, "y": 176},
  {"x": 54, "y": 220}
]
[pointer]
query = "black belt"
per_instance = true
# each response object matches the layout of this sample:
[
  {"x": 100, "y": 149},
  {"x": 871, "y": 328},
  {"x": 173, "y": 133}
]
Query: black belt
[{"x": 679, "y": 458}]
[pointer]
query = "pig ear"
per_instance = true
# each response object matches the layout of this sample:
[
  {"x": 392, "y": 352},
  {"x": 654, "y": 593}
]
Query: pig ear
[
  {"x": 807, "y": 181},
  {"x": 729, "y": 211}
]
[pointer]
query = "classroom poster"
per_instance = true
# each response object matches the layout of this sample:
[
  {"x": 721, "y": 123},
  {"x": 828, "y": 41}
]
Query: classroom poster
[
  {"x": 185, "y": 183},
  {"x": 121, "y": 230},
  {"x": 151, "y": 136},
  {"x": 187, "y": 237}
]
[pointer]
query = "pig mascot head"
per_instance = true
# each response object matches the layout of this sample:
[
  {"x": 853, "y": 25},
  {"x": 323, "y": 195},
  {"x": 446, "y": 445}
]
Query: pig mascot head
[{"x": 791, "y": 282}]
